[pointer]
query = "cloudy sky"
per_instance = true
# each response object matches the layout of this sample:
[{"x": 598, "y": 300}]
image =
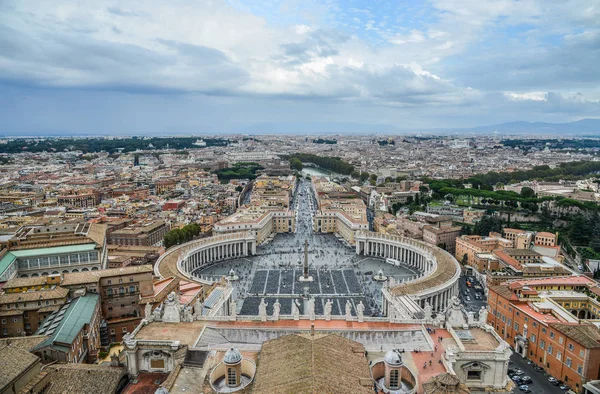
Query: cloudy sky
[{"x": 134, "y": 67}]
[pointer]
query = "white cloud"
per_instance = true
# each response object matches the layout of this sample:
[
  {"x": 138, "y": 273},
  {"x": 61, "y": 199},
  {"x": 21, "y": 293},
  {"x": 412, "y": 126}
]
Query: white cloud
[
  {"x": 515, "y": 53},
  {"x": 533, "y": 96}
]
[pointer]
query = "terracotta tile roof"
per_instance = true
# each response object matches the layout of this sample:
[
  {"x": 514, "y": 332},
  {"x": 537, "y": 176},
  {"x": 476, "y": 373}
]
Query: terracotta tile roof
[
  {"x": 504, "y": 291},
  {"x": 20, "y": 361},
  {"x": 39, "y": 295},
  {"x": 586, "y": 335},
  {"x": 84, "y": 378},
  {"x": 75, "y": 278},
  {"x": 301, "y": 364}
]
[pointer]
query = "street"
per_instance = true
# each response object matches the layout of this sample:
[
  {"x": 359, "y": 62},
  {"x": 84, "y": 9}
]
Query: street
[
  {"x": 472, "y": 305},
  {"x": 540, "y": 383}
]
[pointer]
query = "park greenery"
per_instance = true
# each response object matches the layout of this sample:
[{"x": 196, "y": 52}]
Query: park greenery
[
  {"x": 324, "y": 141},
  {"x": 333, "y": 164},
  {"x": 180, "y": 235},
  {"x": 242, "y": 170},
  {"x": 94, "y": 145}
]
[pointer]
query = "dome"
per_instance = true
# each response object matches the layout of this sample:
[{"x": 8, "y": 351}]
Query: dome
[
  {"x": 393, "y": 358},
  {"x": 232, "y": 356}
]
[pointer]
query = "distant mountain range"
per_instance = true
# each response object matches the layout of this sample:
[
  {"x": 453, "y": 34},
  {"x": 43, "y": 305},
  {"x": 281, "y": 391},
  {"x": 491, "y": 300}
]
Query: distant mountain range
[
  {"x": 580, "y": 128},
  {"x": 583, "y": 127}
]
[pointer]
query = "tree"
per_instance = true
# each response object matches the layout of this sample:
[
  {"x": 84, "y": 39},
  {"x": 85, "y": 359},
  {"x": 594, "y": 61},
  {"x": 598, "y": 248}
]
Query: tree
[
  {"x": 239, "y": 189},
  {"x": 527, "y": 192},
  {"x": 296, "y": 164},
  {"x": 595, "y": 244},
  {"x": 465, "y": 259},
  {"x": 488, "y": 224}
]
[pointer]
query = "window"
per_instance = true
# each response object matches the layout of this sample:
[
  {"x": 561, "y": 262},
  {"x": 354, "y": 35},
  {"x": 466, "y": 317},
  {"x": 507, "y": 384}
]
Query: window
[
  {"x": 544, "y": 330},
  {"x": 532, "y": 338},
  {"x": 550, "y": 349},
  {"x": 571, "y": 347},
  {"x": 110, "y": 282},
  {"x": 121, "y": 290},
  {"x": 552, "y": 334},
  {"x": 394, "y": 379},
  {"x": 558, "y": 355},
  {"x": 568, "y": 362},
  {"x": 109, "y": 292},
  {"x": 232, "y": 377},
  {"x": 3, "y": 321},
  {"x": 473, "y": 375},
  {"x": 560, "y": 340},
  {"x": 131, "y": 279},
  {"x": 580, "y": 369},
  {"x": 516, "y": 326},
  {"x": 132, "y": 289},
  {"x": 112, "y": 331},
  {"x": 124, "y": 329},
  {"x": 581, "y": 353},
  {"x": 534, "y": 324}
]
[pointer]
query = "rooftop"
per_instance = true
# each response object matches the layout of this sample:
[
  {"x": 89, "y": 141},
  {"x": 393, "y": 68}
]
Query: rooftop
[
  {"x": 64, "y": 325},
  {"x": 84, "y": 378},
  {"x": 302, "y": 364}
]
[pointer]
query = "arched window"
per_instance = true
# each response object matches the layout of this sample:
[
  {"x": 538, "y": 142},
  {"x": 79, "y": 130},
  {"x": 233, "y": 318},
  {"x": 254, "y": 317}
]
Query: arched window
[
  {"x": 132, "y": 289},
  {"x": 121, "y": 290},
  {"x": 109, "y": 291},
  {"x": 394, "y": 379}
]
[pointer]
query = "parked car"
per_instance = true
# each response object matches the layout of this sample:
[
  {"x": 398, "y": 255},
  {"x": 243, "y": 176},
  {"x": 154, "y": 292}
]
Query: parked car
[
  {"x": 519, "y": 371},
  {"x": 516, "y": 378},
  {"x": 468, "y": 298},
  {"x": 552, "y": 379},
  {"x": 510, "y": 371},
  {"x": 557, "y": 383},
  {"x": 524, "y": 388},
  {"x": 526, "y": 380},
  {"x": 529, "y": 362},
  {"x": 564, "y": 387}
]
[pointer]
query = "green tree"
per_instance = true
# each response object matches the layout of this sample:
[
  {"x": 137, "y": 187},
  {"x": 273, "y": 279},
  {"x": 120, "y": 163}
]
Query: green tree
[
  {"x": 527, "y": 192},
  {"x": 488, "y": 224},
  {"x": 296, "y": 164}
]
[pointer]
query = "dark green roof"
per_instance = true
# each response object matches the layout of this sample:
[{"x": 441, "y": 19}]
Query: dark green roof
[{"x": 63, "y": 325}]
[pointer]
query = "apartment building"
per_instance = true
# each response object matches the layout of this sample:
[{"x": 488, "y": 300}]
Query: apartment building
[
  {"x": 22, "y": 312},
  {"x": 26, "y": 302},
  {"x": 73, "y": 331},
  {"x": 472, "y": 245},
  {"x": 546, "y": 321},
  {"x": 147, "y": 233}
]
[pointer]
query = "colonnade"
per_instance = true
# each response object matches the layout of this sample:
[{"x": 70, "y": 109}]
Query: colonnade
[
  {"x": 404, "y": 253},
  {"x": 419, "y": 255},
  {"x": 215, "y": 252}
]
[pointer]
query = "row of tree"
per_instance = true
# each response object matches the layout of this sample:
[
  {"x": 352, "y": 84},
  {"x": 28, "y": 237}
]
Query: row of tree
[
  {"x": 92, "y": 145},
  {"x": 242, "y": 170},
  {"x": 333, "y": 164},
  {"x": 180, "y": 235}
]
